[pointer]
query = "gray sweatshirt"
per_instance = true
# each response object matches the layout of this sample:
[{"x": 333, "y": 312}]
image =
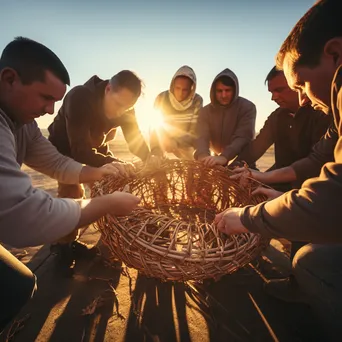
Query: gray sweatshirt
[
  {"x": 30, "y": 216},
  {"x": 225, "y": 129}
]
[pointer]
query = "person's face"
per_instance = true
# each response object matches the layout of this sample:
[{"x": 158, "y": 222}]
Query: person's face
[
  {"x": 282, "y": 95},
  {"x": 26, "y": 102},
  {"x": 182, "y": 88},
  {"x": 312, "y": 84},
  {"x": 224, "y": 94},
  {"x": 118, "y": 101}
]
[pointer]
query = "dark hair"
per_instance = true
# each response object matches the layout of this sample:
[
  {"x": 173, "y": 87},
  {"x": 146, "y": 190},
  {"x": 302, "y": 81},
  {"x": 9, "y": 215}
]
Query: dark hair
[
  {"x": 31, "y": 59},
  {"x": 127, "y": 79},
  {"x": 306, "y": 41},
  {"x": 226, "y": 80},
  {"x": 272, "y": 74}
]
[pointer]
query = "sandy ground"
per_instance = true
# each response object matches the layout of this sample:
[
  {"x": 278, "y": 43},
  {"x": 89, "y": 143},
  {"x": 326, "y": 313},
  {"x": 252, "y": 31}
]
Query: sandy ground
[{"x": 233, "y": 309}]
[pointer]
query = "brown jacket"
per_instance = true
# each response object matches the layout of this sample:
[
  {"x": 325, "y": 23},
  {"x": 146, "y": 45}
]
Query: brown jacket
[
  {"x": 82, "y": 132},
  {"x": 312, "y": 213},
  {"x": 225, "y": 129}
]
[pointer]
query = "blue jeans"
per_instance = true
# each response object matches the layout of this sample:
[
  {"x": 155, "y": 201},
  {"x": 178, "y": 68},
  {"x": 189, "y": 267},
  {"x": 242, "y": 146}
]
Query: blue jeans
[
  {"x": 318, "y": 271},
  {"x": 17, "y": 285}
]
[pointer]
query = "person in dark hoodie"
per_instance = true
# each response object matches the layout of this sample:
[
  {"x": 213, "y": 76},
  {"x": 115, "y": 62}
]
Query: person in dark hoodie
[
  {"x": 311, "y": 57},
  {"x": 179, "y": 108},
  {"x": 84, "y": 126},
  {"x": 225, "y": 125}
]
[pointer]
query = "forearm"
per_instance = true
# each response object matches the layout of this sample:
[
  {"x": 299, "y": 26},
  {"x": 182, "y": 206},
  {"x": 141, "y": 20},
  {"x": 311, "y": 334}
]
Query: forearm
[
  {"x": 283, "y": 175},
  {"x": 90, "y": 174},
  {"x": 93, "y": 209}
]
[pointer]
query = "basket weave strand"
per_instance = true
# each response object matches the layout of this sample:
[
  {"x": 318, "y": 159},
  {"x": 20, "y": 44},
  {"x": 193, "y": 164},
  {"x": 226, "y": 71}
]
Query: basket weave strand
[{"x": 171, "y": 235}]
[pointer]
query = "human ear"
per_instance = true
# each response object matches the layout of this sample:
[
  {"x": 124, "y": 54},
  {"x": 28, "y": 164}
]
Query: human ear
[
  {"x": 333, "y": 48},
  {"x": 8, "y": 76}
]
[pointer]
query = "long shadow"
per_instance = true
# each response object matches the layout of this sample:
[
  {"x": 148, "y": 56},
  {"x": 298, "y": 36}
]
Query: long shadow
[
  {"x": 234, "y": 309},
  {"x": 56, "y": 309},
  {"x": 151, "y": 316}
]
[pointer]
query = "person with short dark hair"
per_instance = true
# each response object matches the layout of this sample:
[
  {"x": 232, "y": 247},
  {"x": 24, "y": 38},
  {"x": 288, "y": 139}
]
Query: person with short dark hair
[
  {"x": 32, "y": 80},
  {"x": 311, "y": 57},
  {"x": 293, "y": 130},
  {"x": 85, "y": 125},
  {"x": 179, "y": 108},
  {"x": 226, "y": 125}
]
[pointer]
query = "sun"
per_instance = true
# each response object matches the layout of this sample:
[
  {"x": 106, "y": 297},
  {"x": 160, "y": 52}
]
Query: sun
[{"x": 148, "y": 118}]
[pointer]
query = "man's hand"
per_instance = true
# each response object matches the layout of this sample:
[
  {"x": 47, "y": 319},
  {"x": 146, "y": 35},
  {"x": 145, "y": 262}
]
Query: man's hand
[
  {"x": 240, "y": 172},
  {"x": 116, "y": 204},
  {"x": 211, "y": 161},
  {"x": 91, "y": 174},
  {"x": 269, "y": 193},
  {"x": 228, "y": 222},
  {"x": 116, "y": 169},
  {"x": 169, "y": 144},
  {"x": 123, "y": 203}
]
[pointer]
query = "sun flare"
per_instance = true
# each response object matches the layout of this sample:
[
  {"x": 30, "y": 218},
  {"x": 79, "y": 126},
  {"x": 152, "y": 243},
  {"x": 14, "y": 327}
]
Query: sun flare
[{"x": 148, "y": 118}]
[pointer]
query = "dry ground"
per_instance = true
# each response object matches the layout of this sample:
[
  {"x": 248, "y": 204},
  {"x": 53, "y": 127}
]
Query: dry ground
[{"x": 135, "y": 308}]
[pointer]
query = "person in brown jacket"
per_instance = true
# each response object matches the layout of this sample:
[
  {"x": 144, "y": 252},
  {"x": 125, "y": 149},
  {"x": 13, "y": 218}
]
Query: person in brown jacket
[
  {"x": 83, "y": 128},
  {"x": 226, "y": 124},
  {"x": 311, "y": 58}
]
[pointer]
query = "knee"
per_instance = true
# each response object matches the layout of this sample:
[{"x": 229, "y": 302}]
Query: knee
[{"x": 304, "y": 260}]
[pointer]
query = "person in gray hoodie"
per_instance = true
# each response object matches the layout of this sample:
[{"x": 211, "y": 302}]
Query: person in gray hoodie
[
  {"x": 32, "y": 79},
  {"x": 179, "y": 107},
  {"x": 226, "y": 124}
]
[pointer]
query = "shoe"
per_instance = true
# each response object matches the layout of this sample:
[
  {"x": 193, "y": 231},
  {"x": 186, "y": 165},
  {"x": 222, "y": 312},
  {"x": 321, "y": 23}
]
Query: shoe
[
  {"x": 83, "y": 251},
  {"x": 65, "y": 261},
  {"x": 286, "y": 289}
]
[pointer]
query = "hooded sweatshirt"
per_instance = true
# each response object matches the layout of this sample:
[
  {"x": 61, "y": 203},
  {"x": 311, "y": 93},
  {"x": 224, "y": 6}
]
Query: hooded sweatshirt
[
  {"x": 225, "y": 129},
  {"x": 180, "y": 118},
  {"x": 312, "y": 213},
  {"x": 82, "y": 131},
  {"x": 30, "y": 216}
]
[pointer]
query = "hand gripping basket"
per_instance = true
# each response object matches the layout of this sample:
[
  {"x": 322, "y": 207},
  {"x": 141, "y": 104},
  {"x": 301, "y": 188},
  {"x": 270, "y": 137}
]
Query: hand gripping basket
[{"x": 171, "y": 236}]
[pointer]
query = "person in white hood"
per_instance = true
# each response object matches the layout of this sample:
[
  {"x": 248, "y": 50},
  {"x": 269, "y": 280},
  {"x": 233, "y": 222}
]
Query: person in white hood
[{"x": 179, "y": 107}]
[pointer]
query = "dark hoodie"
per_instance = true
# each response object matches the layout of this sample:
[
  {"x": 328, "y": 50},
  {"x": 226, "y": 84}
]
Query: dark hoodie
[
  {"x": 225, "y": 129},
  {"x": 81, "y": 130},
  {"x": 312, "y": 213}
]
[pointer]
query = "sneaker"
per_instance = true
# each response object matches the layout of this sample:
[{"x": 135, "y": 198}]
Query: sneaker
[
  {"x": 286, "y": 289},
  {"x": 65, "y": 261},
  {"x": 83, "y": 251}
]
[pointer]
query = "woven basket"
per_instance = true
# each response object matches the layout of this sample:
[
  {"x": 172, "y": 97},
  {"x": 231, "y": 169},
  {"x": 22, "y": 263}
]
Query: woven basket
[{"x": 171, "y": 235}]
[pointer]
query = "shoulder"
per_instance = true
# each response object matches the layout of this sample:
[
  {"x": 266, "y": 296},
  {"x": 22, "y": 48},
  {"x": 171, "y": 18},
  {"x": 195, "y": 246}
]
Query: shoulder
[
  {"x": 161, "y": 98},
  {"x": 310, "y": 114},
  {"x": 247, "y": 104},
  {"x": 198, "y": 98},
  {"x": 278, "y": 112},
  {"x": 79, "y": 90}
]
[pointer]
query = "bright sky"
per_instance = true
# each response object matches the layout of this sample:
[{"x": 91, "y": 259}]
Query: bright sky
[{"x": 155, "y": 37}]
